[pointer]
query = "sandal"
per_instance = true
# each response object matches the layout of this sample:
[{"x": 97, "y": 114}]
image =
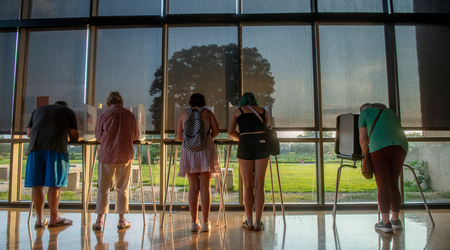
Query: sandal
[
  {"x": 247, "y": 226},
  {"x": 97, "y": 225},
  {"x": 37, "y": 225},
  {"x": 123, "y": 224},
  {"x": 62, "y": 222},
  {"x": 259, "y": 227}
]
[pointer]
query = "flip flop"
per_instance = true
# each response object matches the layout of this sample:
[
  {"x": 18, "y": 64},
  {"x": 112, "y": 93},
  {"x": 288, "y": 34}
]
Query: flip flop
[
  {"x": 36, "y": 225},
  {"x": 259, "y": 227},
  {"x": 61, "y": 223},
  {"x": 247, "y": 226},
  {"x": 97, "y": 225},
  {"x": 123, "y": 224}
]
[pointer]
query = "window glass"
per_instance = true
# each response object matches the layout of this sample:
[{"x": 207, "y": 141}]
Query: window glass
[
  {"x": 353, "y": 68},
  {"x": 429, "y": 161},
  {"x": 202, "y": 6},
  {"x": 422, "y": 6},
  {"x": 55, "y": 69},
  {"x": 277, "y": 69},
  {"x": 423, "y": 73},
  {"x": 59, "y": 8},
  {"x": 350, "y": 5},
  {"x": 125, "y": 8},
  {"x": 181, "y": 188},
  {"x": 203, "y": 60},
  {"x": 5, "y": 157},
  {"x": 10, "y": 9},
  {"x": 7, "y": 59},
  {"x": 74, "y": 189},
  {"x": 280, "y": 6},
  {"x": 353, "y": 187},
  {"x": 129, "y": 61},
  {"x": 297, "y": 168}
]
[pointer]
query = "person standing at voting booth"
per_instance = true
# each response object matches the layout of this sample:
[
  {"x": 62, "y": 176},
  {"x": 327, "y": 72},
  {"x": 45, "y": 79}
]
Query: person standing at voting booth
[
  {"x": 197, "y": 127},
  {"x": 48, "y": 158},
  {"x": 253, "y": 155},
  {"x": 116, "y": 129},
  {"x": 387, "y": 146}
]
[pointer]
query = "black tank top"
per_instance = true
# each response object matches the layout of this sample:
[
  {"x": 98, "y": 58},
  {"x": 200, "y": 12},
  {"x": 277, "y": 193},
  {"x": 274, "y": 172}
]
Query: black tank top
[{"x": 249, "y": 122}]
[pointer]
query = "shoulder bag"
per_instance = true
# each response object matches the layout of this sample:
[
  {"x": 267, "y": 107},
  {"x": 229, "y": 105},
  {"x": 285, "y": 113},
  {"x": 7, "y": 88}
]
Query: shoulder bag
[
  {"x": 274, "y": 142},
  {"x": 366, "y": 167}
]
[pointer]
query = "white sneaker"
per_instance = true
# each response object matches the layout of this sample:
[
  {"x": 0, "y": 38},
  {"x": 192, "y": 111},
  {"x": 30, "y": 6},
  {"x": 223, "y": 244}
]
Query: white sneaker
[
  {"x": 195, "y": 226},
  {"x": 206, "y": 227}
]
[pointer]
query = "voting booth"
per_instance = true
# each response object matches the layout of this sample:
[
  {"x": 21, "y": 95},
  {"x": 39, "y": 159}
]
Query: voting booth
[{"x": 86, "y": 120}]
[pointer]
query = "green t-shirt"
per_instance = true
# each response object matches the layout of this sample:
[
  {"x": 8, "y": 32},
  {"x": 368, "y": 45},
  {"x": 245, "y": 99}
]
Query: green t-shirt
[{"x": 387, "y": 132}]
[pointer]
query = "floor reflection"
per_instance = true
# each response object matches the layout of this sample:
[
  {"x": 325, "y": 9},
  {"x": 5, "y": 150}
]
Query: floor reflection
[{"x": 304, "y": 230}]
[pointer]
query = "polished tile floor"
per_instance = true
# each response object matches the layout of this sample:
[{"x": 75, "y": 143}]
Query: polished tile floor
[{"x": 304, "y": 230}]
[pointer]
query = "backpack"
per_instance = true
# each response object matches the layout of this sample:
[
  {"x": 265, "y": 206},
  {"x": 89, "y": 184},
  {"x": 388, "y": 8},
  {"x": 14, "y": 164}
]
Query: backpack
[{"x": 194, "y": 134}]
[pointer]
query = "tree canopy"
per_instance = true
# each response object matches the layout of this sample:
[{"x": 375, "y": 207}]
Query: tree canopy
[{"x": 213, "y": 71}]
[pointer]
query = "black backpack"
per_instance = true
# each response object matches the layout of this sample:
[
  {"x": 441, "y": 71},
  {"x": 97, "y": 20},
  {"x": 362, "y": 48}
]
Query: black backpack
[
  {"x": 194, "y": 134},
  {"x": 274, "y": 142}
]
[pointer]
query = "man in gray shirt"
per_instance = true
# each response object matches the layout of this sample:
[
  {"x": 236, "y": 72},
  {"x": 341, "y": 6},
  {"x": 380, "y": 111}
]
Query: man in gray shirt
[{"x": 48, "y": 158}]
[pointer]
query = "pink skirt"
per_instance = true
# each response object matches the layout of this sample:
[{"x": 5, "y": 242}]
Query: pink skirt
[{"x": 201, "y": 161}]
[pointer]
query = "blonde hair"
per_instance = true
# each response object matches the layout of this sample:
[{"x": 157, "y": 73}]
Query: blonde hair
[{"x": 114, "y": 98}]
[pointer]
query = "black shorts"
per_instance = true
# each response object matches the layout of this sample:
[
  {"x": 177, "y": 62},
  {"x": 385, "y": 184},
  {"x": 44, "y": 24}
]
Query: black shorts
[{"x": 253, "y": 147}]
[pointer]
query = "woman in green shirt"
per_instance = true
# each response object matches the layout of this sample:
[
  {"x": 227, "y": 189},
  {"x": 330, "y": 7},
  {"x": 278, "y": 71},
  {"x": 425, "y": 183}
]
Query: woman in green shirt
[{"x": 387, "y": 148}]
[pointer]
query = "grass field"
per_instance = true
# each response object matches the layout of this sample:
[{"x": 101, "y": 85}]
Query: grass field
[{"x": 295, "y": 178}]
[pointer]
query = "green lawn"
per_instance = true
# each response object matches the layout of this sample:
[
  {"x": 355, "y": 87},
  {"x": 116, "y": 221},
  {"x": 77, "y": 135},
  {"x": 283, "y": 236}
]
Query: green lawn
[{"x": 294, "y": 178}]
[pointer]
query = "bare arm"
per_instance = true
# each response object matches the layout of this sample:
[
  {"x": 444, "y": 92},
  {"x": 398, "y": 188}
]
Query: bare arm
[
  {"x": 363, "y": 140},
  {"x": 29, "y": 132},
  {"x": 232, "y": 126},
  {"x": 214, "y": 126},
  {"x": 73, "y": 134},
  {"x": 180, "y": 128}
]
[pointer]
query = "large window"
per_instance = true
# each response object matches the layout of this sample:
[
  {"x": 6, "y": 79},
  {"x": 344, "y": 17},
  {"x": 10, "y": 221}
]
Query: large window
[
  {"x": 203, "y": 60},
  {"x": 55, "y": 69},
  {"x": 423, "y": 73},
  {"x": 5, "y": 157},
  {"x": 10, "y": 10},
  {"x": 7, "y": 58},
  {"x": 202, "y": 6},
  {"x": 277, "y": 68},
  {"x": 59, "y": 8},
  {"x": 422, "y": 6},
  {"x": 353, "y": 67},
  {"x": 280, "y": 6},
  {"x": 125, "y": 8},
  {"x": 350, "y": 5},
  {"x": 129, "y": 61},
  {"x": 430, "y": 163}
]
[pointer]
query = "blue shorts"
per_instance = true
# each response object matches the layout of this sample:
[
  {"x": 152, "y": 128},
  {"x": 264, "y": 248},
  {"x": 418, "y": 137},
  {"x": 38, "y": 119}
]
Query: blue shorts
[{"x": 47, "y": 168}]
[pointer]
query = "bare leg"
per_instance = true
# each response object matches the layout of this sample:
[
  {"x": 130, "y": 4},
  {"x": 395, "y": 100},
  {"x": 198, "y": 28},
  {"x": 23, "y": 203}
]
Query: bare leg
[
  {"x": 205, "y": 193},
  {"x": 394, "y": 216},
  {"x": 385, "y": 217},
  {"x": 53, "y": 203},
  {"x": 246, "y": 170},
  {"x": 39, "y": 199},
  {"x": 194, "y": 188},
  {"x": 260, "y": 175}
]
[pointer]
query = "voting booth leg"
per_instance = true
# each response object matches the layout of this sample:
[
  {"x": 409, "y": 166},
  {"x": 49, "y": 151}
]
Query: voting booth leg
[
  {"x": 421, "y": 193},
  {"x": 271, "y": 182},
  {"x": 166, "y": 188},
  {"x": 338, "y": 178},
  {"x": 151, "y": 179},
  {"x": 91, "y": 172},
  {"x": 31, "y": 211},
  {"x": 173, "y": 178},
  {"x": 281, "y": 193},
  {"x": 142, "y": 188},
  {"x": 222, "y": 187}
]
